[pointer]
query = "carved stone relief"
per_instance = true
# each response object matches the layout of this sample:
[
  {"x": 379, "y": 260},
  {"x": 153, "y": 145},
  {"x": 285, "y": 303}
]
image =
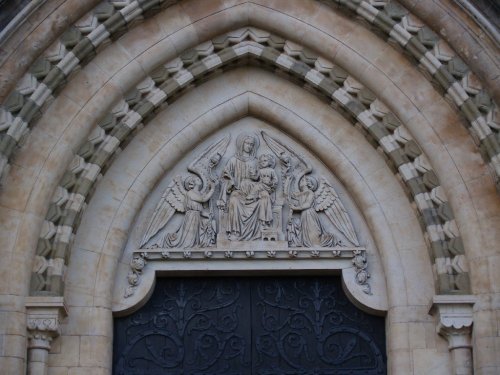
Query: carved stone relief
[{"x": 259, "y": 200}]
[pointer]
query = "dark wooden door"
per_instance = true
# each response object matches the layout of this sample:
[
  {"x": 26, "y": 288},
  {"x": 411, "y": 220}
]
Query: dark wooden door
[{"x": 265, "y": 326}]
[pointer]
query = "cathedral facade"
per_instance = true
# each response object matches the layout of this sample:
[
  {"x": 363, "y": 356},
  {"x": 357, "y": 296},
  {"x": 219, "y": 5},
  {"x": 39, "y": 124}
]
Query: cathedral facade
[{"x": 143, "y": 141}]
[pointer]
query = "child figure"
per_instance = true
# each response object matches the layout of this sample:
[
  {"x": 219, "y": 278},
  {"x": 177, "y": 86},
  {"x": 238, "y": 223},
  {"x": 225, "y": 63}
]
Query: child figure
[
  {"x": 264, "y": 189},
  {"x": 267, "y": 175}
]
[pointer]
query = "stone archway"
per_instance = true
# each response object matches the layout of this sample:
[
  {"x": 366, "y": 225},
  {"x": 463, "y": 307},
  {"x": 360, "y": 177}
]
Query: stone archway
[
  {"x": 230, "y": 109},
  {"x": 54, "y": 109}
]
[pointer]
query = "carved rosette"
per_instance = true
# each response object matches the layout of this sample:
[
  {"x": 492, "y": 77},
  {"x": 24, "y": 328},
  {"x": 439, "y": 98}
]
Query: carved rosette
[
  {"x": 141, "y": 258},
  {"x": 360, "y": 264}
]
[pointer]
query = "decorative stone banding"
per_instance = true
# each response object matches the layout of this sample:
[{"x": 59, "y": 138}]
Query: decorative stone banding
[
  {"x": 96, "y": 265},
  {"x": 192, "y": 67},
  {"x": 111, "y": 19}
]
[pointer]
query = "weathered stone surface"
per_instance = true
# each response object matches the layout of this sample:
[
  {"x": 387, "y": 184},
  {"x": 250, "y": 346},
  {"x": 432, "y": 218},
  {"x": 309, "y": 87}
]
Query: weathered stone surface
[{"x": 416, "y": 142}]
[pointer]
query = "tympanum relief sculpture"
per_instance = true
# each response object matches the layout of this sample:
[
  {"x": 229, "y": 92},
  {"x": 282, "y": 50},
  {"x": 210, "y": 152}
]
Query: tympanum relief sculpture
[{"x": 262, "y": 201}]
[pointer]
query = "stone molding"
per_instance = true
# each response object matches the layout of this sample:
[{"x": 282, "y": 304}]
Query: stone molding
[
  {"x": 22, "y": 16},
  {"x": 456, "y": 334},
  {"x": 455, "y": 319},
  {"x": 481, "y": 19},
  {"x": 440, "y": 64},
  {"x": 251, "y": 252}
]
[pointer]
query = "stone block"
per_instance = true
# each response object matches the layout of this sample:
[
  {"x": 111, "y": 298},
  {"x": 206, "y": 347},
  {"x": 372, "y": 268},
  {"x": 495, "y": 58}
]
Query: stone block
[
  {"x": 65, "y": 351},
  {"x": 95, "y": 351}
]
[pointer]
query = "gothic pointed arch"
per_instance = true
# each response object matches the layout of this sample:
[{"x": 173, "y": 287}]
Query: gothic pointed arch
[
  {"x": 168, "y": 81},
  {"x": 413, "y": 87}
]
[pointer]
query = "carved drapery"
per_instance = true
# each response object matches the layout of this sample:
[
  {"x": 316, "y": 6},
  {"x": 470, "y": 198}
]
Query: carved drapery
[
  {"x": 270, "y": 254},
  {"x": 261, "y": 201}
]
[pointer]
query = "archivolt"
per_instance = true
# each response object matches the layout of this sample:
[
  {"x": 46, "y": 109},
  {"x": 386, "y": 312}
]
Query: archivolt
[
  {"x": 251, "y": 46},
  {"x": 111, "y": 19}
]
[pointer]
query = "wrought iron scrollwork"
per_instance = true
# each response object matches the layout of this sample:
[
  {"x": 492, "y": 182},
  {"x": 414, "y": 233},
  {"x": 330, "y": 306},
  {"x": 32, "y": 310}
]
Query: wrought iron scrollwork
[
  {"x": 259, "y": 326},
  {"x": 308, "y": 327},
  {"x": 189, "y": 328}
]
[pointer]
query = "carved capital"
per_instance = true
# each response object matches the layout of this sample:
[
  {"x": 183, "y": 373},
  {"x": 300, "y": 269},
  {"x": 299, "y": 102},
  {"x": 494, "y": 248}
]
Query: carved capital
[
  {"x": 455, "y": 318},
  {"x": 40, "y": 339},
  {"x": 457, "y": 337},
  {"x": 44, "y": 315}
]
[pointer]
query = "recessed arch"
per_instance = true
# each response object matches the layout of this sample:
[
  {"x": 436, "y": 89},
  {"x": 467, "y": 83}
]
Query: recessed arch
[
  {"x": 417, "y": 40},
  {"x": 453, "y": 156},
  {"x": 164, "y": 85},
  {"x": 103, "y": 250}
]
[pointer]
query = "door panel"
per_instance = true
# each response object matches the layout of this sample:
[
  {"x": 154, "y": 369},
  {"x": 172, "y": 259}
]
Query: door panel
[{"x": 265, "y": 326}]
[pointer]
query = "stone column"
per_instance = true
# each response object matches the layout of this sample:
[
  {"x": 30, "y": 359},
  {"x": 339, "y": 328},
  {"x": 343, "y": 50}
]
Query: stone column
[
  {"x": 44, "y": 315},
  {"x": 455, "y": 324}
]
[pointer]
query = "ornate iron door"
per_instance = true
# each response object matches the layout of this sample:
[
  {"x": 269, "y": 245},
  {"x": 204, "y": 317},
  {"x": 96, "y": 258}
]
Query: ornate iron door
[{"x": 265, "y": 326}]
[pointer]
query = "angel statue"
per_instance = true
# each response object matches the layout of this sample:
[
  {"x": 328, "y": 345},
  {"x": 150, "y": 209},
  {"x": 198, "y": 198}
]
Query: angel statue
[
  {"x": 306, "y": 196},
  {"x": 188, "y": 195},
  {"x": 309, "y": 231}
]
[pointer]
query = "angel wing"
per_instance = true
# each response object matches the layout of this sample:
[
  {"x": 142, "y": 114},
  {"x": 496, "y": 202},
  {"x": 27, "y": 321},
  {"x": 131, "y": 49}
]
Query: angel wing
[
  {"x": 293, "y": 166},
  {"x": 173, "y": 200},
  {"x": 328, "y": 201},
  {"x": 203, "y": 164}
]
